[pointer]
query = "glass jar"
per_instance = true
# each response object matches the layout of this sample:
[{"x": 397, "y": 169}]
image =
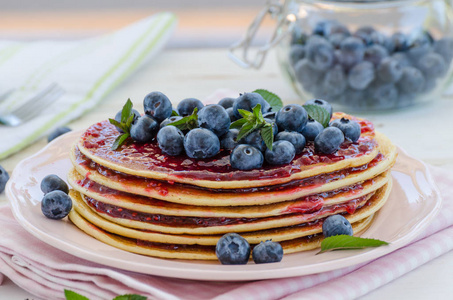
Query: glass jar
[{"x": 366, "y": 55}]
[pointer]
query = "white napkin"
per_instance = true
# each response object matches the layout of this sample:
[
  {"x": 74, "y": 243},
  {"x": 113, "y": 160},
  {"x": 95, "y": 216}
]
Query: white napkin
[{"x": 86, "y": 69}]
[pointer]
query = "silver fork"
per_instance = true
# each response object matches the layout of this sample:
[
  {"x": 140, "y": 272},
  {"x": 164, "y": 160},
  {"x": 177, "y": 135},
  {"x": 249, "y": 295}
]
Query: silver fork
[{"x": 33, "y": 106}]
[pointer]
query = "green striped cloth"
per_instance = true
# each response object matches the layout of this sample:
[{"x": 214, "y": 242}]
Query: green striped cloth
[{"x": 87, "y": 70}]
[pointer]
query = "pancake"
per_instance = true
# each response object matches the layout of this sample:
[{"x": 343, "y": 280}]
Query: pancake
[
  {"x": 147, "y": 160},
  {"x": 191, "y": 252},
  {"x": 203, "y": 226},
  {"x": 194, "y": 196},
  {"x": 154, "y": 206}
]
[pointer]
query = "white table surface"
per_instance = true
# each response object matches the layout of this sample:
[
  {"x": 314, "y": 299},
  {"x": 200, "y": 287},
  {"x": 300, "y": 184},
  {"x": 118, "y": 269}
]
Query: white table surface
[{"x": 425, "y": 131}]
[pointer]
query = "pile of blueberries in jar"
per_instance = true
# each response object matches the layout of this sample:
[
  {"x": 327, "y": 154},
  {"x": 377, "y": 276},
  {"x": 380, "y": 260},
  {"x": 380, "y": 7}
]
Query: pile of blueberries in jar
[{"x": 367, "y": 69}]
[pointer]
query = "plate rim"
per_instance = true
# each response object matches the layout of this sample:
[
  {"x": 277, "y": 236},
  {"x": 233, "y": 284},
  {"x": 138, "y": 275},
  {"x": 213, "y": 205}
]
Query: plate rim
[{"x": 232, "y": 273}]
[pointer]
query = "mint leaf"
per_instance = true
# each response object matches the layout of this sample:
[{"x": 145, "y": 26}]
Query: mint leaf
[
  {"x": 122, "y": 126},
  {"x": 129, "y": 121},
  {"x": 174, "y": 113},
  {"x": 188, "y": 122},
  {"x": 119, "y": 141},
  {"x": 318, "y": 113},
  {"x": 245, "y": 130},
  {"x": 258, "y": 114},
  {"x": 126, "y": 112},
  {"x": 238, "y": 124},
  {"x": 346, "y": 242},
  {"x": 130, "y": 297},
  {"x": 270, "y": 98},
  {"x": 70, "y": 295},
  {"x": 245, "y": 113},
  {"x": 268, "y": 135}
]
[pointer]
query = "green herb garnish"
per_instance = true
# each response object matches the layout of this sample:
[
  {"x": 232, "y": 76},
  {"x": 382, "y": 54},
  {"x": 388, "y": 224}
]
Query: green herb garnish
[
  {"x": 347, "y": 242},
  {"x": 274, "y": 100},
  {"x": 318, "y": 113},
  {"x": 188, "y": 122},
  {"x": 174, "y": 113},
  {"x": 127, "y": 117},
  {"x": 70, "y": 295},
  {"x": 252, "y": 121}
]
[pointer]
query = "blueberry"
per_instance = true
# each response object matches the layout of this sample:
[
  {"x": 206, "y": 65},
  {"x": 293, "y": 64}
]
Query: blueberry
[
  {"x": 170, "y": 120},
  {"x": 384, "y": 95},
  {"x": 319, "y": 53},
  {"x": 144, "y": 129},
  {"x": 187, "y": 106},
  {"x": 248, "y": 101},
  {"x": 415, "y": 53},
  {"x": 351, "y": 129},
  {"x": 56, "y": 205},
  {"x": 420, "y": 44},
  {"x": 230, "y": 112},
  {"x": 201, "y": 143},
  {"x": 292, "y": 117},
  {"x": 270, "y": 115},
  {"x": 354, "y": 98},
  {"x": 375, "y": 54},
  {"x": 378, "y": 38},
  {"x": 365, "y": 34},
  {"x": 158, "y": 106},
  {"x": 4, "y": 177},
  {"x": 336, "y": 39},
  {"x": 232, "y": 249},
  {"x": 282, "y": 153},
  {"x": 400, "y": 41},
  {"x": 298, "y": 36},
  {"x": 118, "y": 118},
  {"x": 52, "y": 183},
  {"x": 361, "y": 75},
  {"x": 390, "y": 70},
  {"x": 412, "y": 81},
  {"x": 295, "y": 138},
  {"x": 312, "y": 129},
  {"x": 215, "y": 118},
  {"x": 246, "y": 157},
  {"x": 335, "y": 81},
  {"x": 254, "y": 139},
  {"x": 306, "y": 74},
  {"x": 170, "y": 140},
  {"x": 229, "y": 139},
  {"x": 444, "y": 47},
  {"x": 227, "y": 102},
  {"x": 338, "y": 28},
  {"x": 323, "y": 27},
  {"x": 296, "y": 53},
  {"x": 329, "y": 140},
  {"x": 57, "y": 132},
  {"x": 267, "y": 252},
  {"x": 336, "y": 225},
  {"x": 432, "y": 65},
  {"x": 402, "y": 58},
  {"x": 323, "y": 103},
  {"x": 352, "y": 51}
]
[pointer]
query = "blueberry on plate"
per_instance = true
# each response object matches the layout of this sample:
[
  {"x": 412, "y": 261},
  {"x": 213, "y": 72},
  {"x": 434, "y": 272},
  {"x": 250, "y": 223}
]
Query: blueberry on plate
[
  {"x": 170, "y": 140},
  {"x": 56, "y": 205},
  {"x": 254, "y": 139},
  {"x": 4, "y": 177},
  {"x": 201, "y": 143},
  {"x": 232, "y": 249},
  {"x": 336, "y": 225},
  {"x": 118, "y": 118},
  {"x": 319, "y": 53},
  {"x": 158, "y": 106},
  {"x": 215, "y": 118},
  {"x": 329, "y": 140},
  {"x": 292, "y": 117},
  {"x": 270, "y": 116},
  {"x": 312, "y": 129},
  {"x": 187, "y": 106},
  {"x": 170, "y": 120},
  {"x": 230, "y": 113},
  {"x": 57, "y": 132},
  {"x": 246, "y": 157},
  {"x": 323, "y": 103},
  {"x": 229, "y": 140},
  {"x": 267, "y": 252},
  {"x": 389, "y": 70},
  {"x": 412, "y": 81},
  {"x": 361, "y": 75},
  {"x": 248, "y": 101},
  {"x": 282, "y": 153},
  {"x": 351, "y": 129},
  {"x": 227, "y": 102},
  {"x": 295, "y": 138},
  {"x": 144, "y": 129},
  {"x": 52, "y": 183}
]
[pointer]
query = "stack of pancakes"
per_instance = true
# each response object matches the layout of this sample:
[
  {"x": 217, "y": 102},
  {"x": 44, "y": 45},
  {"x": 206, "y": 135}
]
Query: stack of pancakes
[{"x": 140, "y": 200}]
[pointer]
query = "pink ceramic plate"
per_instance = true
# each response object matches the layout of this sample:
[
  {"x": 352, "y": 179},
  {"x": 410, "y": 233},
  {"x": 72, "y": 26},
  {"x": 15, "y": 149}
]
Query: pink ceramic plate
[{"x": 413, "y": 203}]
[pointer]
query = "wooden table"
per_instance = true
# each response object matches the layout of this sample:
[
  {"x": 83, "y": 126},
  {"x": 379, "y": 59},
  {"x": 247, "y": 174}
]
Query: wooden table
[{"x": 424, "y": 131}]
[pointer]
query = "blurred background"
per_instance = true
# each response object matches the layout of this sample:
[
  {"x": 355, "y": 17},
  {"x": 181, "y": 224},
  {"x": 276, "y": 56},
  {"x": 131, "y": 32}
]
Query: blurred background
[{"x": 202, "y": 23}]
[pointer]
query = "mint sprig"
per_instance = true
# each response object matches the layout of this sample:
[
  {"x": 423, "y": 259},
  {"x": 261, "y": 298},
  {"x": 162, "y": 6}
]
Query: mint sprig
[
  {"x": 188, "y": 122},
  {"x": 252, "y": 121},
  {"x": 127, "y": 117},
  {"x": 347, "y": 242},
  {"x": 271, "y": 98},
  {"x": 318, "y": 113},
  {"x": 70, "y": 295}
]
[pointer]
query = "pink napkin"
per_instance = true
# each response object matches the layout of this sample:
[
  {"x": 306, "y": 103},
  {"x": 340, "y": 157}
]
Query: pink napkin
[{"x": 45, "y": 271}]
